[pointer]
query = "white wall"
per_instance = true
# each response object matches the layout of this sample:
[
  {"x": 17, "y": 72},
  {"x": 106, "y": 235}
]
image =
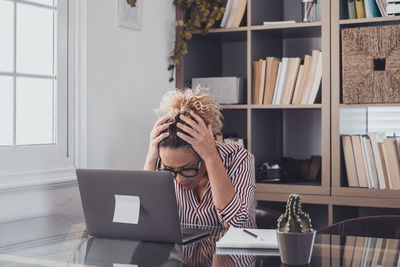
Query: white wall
[{"x": 126, "y": 77}]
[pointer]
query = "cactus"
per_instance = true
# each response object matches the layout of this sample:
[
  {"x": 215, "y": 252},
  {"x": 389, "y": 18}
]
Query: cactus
[{"x": 294, "y": 220}]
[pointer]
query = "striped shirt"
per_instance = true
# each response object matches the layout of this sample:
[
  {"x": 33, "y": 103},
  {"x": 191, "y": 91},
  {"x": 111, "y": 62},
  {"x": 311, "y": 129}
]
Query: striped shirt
[{"x": 240, "y": 211}]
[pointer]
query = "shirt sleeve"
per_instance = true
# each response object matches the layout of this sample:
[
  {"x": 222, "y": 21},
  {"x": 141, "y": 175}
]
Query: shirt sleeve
[{"x": 237, "y": 212}]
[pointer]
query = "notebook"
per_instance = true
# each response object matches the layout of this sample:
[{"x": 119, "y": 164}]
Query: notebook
[{"x": 237, "y": 238}]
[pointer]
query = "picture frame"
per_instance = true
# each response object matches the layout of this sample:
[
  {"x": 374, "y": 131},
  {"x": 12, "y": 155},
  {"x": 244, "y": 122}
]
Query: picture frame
[{"x": 128, "y": 16}]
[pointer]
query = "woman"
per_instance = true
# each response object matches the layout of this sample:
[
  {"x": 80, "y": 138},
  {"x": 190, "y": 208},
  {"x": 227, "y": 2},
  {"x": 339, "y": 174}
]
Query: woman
[{"x": 214, "y": 182}]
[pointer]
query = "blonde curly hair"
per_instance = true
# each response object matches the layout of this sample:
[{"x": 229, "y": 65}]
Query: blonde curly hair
[{"x": 179, "y": 102}]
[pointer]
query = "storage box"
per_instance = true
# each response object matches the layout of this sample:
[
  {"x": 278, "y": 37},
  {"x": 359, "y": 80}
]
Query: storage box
[
  {"x": 371, "y": 65},
  {"x": 225, "y": 90}
]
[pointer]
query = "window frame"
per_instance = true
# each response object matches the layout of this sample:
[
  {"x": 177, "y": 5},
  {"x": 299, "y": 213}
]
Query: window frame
[{"x": 30, "y": 165}]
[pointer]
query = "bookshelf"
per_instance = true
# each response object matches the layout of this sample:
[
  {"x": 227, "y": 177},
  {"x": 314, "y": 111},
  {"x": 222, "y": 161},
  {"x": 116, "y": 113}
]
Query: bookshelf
[
  {"x": 348, "y": 202},
  {"x": 298, "y": 131}
]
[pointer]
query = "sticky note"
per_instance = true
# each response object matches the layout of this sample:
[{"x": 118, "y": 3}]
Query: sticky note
[{"x": 126, "y": 209}]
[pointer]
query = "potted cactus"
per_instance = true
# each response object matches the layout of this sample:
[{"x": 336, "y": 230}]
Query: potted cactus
[{"x": 294, "y": 233}]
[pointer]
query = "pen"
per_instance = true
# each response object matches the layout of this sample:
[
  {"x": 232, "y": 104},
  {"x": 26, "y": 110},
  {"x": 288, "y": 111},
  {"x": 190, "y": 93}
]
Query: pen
[{"x": 253, "y": 235}]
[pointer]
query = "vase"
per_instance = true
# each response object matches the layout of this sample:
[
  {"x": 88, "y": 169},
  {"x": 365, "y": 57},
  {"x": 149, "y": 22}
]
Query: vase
[{"x": 295, "y": 248}]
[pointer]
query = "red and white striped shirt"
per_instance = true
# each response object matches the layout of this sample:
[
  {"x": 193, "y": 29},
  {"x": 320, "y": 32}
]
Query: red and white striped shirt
[{"x": 240, "y": 212}]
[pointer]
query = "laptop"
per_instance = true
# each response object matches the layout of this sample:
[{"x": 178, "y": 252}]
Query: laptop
[{"x": 127, "y": 204}]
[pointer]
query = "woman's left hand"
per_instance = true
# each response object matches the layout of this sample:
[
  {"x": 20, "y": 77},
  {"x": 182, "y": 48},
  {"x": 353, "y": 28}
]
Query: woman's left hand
[{"x": 199, "y": 135}]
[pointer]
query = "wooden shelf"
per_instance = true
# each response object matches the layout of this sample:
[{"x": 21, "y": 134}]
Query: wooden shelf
[
  {"x": 223, "y": 30},
  {"x": 368, "y": 20},
  {"x": 283, "y": 197},
  {"x": 286, "y": 26},
  {"x": 365, "y": 202},
  {"x": 366, "y": 192},
  {"x": 240, "y": 106},
  {"x": 369, "y": 105},
  {"x": 290, "y": 106},
  {"x": 267, "y": 188}
]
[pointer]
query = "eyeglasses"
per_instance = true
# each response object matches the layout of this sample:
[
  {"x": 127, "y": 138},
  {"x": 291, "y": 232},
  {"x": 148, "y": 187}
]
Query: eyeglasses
[{"x": 188, "y": 173}]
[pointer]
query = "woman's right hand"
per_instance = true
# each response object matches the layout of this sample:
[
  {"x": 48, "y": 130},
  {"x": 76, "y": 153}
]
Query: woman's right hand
[{"x": 155, "y": 138}]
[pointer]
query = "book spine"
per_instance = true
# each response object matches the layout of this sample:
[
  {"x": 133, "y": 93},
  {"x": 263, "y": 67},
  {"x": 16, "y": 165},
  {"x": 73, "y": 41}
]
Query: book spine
[
  {"x": 360, "y": 9},
  {"x": 351, "y": 9},
  {"x": 368, "y": 9}
]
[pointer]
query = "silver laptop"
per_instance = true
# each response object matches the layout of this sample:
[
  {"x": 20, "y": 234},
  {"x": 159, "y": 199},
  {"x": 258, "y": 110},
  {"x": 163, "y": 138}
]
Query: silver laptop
[{"x": 138, "y": 205}]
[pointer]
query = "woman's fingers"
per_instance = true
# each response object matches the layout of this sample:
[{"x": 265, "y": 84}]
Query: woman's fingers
[
  {"x": 159, "y": 138},
  {"x": 189, "y": 121},
  {"x": 162, "y": 120},
  {"x": 157, "y": 130},
  {"x": 186, "y": 138},
  {"x": 198, "y": 119},
  {"x": 187, "y": 129}
]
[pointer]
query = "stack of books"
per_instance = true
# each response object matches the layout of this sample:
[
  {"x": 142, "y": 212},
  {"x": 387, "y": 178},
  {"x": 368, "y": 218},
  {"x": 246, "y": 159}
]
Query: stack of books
[
  {"x": 389, "y": 7},
  {"x": 372, "y": 8},
  {"x": 287, "y": 81},
  {"x": 366, "y": 251},
  {"x": 234, "y": 12},
  {"x": 372, "y": 161}
]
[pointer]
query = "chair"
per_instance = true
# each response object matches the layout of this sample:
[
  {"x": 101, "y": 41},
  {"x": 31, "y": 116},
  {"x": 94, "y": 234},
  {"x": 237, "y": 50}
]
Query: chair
[
  {"x": 386, "y": 226},
  {"x": 267, "y": 218}
]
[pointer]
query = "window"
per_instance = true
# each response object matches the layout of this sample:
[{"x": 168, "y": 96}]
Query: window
[{"x": 34, "y": 96}]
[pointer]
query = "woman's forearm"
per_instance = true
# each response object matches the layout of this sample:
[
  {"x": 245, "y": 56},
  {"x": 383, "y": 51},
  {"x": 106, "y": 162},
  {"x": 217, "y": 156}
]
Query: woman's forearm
[
  {"x": 150, "y": 163},
  {"x": 221, "y": 186}
]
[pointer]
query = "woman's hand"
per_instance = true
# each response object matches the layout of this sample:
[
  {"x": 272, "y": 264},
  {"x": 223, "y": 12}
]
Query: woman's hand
[
  {"x": 155, "y": 138},
  {"x": 199, "y": 135}
]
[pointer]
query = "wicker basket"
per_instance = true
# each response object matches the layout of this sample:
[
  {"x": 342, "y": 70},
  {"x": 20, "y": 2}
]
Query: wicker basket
[{"x": 371, "y": 64}]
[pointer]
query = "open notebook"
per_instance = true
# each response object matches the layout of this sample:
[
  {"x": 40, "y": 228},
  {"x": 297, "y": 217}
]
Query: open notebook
[{"x": 236, "y": 238}]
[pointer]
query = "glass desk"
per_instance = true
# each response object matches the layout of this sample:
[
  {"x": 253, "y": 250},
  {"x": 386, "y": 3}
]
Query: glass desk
[{"x": 39, "y": 242}]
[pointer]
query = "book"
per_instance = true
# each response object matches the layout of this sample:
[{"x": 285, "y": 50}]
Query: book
[
  {"x": 290, "y": 81},
  {"x": 384, "y": 166},
  {"x": 236, "y": 238},
  {"x": 358, "y": 251},
  {"x": 371, "y": 10},
  {"x": 278, "y": 75},
  {"x": 391, "y": 254},
  {"x": 317, "y": 80},
  {"x": 269, "y": 23},
  {"x": 256, "y": 81},
  {"x": 378, "y": 160},
  {"x": 304, "y": 78},
  {"x": 263, "y": 65},
  {"x": 360, "y": 9},
  {"x": 281, "y": 81},
  {"x": 349, "y": 161},
  {"x": 381, "y": 8},
  {"x": 366, "y": 162},
  {"x": 272, "y": 70},
  {"x": 392, "y": 162},
  {"x": 298, "y": 81},
  {"x": 368, "y": 252},
  {"x": 359, "y": 159},
  {"x": 306, "y": 92},
  {"x": 377, "y": 252},
  {"x": 226, "y": 13},
  {"x": 232, "y": 13},
  {"x": 393, "y": 8},
  {"x": 371, "y": 163},
  {"x": 351, "y": 9},
  {"x": 348, "y": 251},
  {"x": 239, "y": 13}
]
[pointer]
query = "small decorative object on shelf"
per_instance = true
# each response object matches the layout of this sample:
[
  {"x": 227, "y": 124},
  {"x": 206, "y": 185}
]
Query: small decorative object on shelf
[
  {"x": 370, "y": 63},
  {"x": 199, "y": 15},
  {"x": 294, "y": 233},
  {"x": 308, "y": 8}
]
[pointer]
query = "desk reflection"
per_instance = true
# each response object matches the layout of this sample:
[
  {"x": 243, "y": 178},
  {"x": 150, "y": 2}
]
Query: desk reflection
[{"x": 110, "y": 253}]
